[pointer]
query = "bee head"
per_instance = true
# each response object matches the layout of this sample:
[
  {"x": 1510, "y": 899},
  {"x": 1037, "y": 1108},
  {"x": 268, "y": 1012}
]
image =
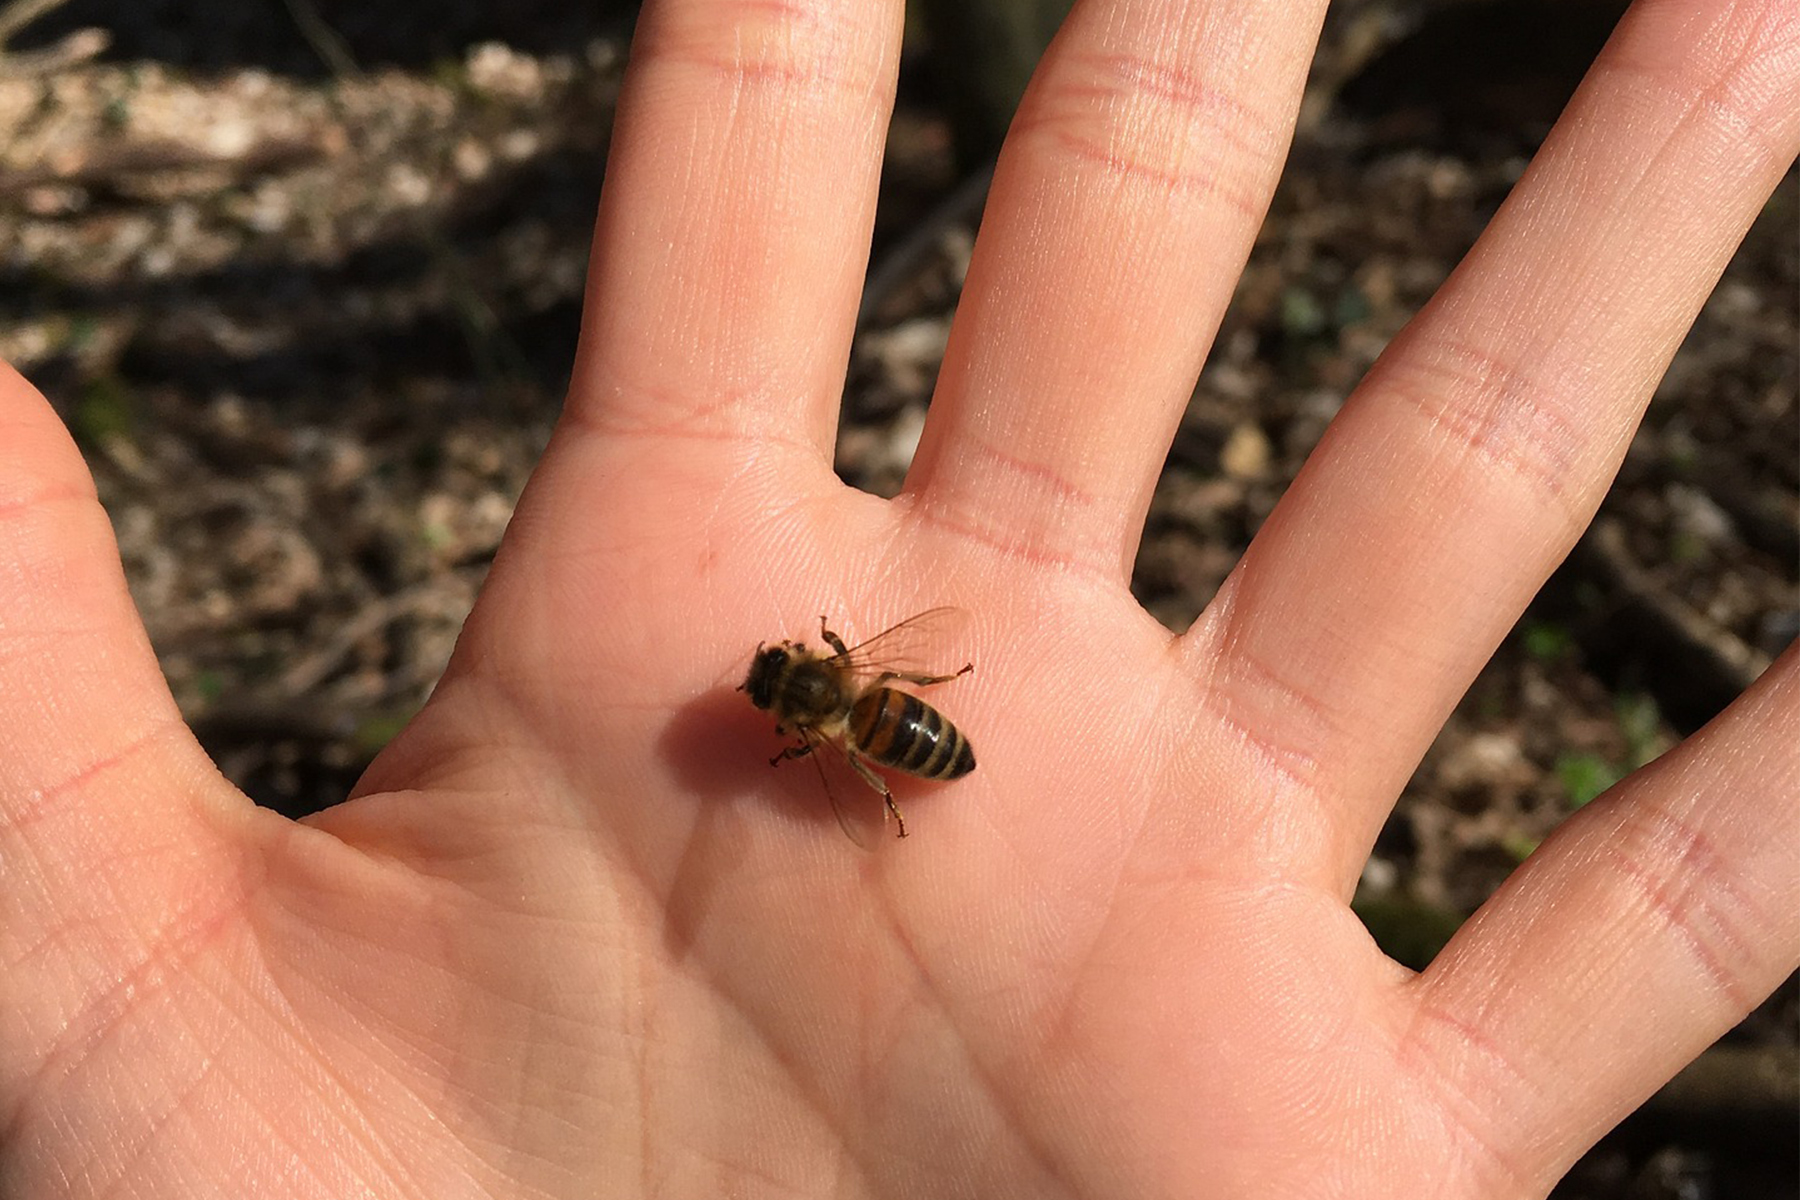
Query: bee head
[{"x": 765, "y": 669}]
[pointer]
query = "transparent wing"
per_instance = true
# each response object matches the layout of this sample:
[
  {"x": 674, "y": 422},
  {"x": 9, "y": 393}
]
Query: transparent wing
[
  {"x": 845, "y": 820},
  {"x": 922, "y": 643}
]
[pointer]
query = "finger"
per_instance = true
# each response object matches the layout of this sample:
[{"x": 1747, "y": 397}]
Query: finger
[
  {"x": 111, "y": 816},
  {"x": 1465, "y": 466},
  {"x": 1122, "y": 210},
  {"x": 734, "y": 225},
  {"x": 1649, "y": 924}
]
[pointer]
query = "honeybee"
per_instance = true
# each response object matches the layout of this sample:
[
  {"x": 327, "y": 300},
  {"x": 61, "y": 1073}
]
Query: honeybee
[{"x": 842, "y": 699}]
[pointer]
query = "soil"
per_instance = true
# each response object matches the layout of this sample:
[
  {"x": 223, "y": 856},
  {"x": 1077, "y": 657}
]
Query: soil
[{"x": 307, "y": 293}]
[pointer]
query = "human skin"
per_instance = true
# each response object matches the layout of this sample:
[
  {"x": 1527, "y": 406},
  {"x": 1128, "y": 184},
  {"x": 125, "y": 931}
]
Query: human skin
[{"x": 571, "y": 937}]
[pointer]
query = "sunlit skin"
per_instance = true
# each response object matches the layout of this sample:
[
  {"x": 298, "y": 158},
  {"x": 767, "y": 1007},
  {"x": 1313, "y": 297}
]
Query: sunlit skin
[{"x": 574, "y": 938}]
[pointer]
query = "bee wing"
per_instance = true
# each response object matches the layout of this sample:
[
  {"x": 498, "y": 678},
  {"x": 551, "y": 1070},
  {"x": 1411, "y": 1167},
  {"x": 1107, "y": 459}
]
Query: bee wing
[
  {"x": 845, "y": 821},
  {"x": 906, "y": 646}
]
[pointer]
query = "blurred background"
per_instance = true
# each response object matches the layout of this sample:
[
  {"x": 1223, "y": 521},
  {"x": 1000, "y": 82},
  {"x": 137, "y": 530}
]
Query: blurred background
[{"x": 303, "y": 276}]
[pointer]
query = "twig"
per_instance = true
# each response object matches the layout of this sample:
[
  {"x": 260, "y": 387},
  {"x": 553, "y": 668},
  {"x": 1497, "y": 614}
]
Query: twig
[
  {"x": 904, "y": 258},
  {"x": 79, "y": 46},
  {"x": 312, "y": 670},
  {"x": 1743, "y": 1096},
  {"x": 117, "y": 167},
  {"x": 20, "y": 13},
  {"x": 324, "y": 40},
  {"x": 490, "y": 344},
  {"x": 1725, "y": 655}
]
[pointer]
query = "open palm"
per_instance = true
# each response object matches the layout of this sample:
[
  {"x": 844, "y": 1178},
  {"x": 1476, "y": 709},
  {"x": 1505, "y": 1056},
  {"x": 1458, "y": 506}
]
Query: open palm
[{"x": 573, "y": 937}]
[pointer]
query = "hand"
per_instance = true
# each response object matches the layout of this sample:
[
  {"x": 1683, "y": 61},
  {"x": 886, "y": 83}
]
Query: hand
[{"x": 573, "y": 937}]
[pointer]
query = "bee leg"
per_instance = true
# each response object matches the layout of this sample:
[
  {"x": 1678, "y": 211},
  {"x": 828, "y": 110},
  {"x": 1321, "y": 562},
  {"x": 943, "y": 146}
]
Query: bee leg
[
  {"x": 832, "y": 639},
  {"x": 879, "y": 784},
  {"x": 922, "y": 680},
  {"x": 800, "y": 751}
]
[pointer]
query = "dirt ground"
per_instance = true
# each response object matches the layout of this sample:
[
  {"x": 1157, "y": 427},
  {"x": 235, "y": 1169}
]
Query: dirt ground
[{"x": 305, "y": 287}]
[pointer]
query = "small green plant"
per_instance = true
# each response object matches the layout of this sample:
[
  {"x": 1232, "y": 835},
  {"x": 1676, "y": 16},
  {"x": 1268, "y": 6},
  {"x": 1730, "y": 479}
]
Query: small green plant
[
  {"x": 1547, "y": 641},
  {"x": 1585, "y": 776},
  {"x": 436, "y": 535},
  {"x": 80, "y": 334},
  {"x": 210, "y": 684},
  {"x": 1408, "y": 930},
  {"x": 1302, "y": 317},
  {"x": 105, "y": 410},
  {"x": 1688, "y": 548},
  {"x": 1641, "y": 722},
  {"x": 1352, "y": 307},
  {"x": 378, "y": 729},
  {"x": 1519, "y": 846}
]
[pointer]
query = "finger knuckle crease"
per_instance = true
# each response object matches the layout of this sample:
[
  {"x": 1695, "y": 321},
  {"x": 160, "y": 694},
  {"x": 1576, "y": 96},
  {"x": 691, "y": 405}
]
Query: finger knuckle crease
[
  {"x": 1151, "y": 123},
  {"x": 1249, "y": 693},
  {"x": 1486, "y": 1080},
  {"x": 780, "y": 50},
  {"x": 1681, "y": 878},
  {"x": 1735, "y": 82},
  {"x": 40, "y": 802},
  {"x": 1512, "y": 419}
]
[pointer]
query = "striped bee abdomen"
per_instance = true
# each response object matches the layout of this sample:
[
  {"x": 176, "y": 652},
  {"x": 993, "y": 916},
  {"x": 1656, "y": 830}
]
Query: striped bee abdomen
[{"x": 899, "y": 730}]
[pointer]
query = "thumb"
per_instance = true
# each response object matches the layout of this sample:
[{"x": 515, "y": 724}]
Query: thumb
[{"x": 115, "y": 829}]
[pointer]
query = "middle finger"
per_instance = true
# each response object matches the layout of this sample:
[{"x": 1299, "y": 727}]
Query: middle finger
[{"x": 1123, "y": 207}]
